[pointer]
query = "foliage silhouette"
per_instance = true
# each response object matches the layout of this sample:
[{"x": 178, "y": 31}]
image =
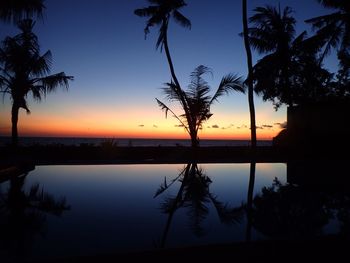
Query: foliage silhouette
[
  {"x": 16, "y": 10},
  {"x": 334, "y": 29},
  {"x": 195, "y": 195},
  {"x": 249, "y": 80},
  {"x": 290, "y": 73},
  {"x": 198, "y": 101},
  {"x": 23, "y": 214},
  {"x": 24, "y": 71}
]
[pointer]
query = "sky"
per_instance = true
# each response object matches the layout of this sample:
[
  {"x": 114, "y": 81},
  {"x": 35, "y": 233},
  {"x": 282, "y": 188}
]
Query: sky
[{"x": 118, "y": 73}]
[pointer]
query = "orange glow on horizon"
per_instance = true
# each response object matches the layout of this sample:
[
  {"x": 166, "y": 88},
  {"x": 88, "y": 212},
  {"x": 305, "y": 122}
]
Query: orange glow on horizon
[{"x": 147, "y": 124}]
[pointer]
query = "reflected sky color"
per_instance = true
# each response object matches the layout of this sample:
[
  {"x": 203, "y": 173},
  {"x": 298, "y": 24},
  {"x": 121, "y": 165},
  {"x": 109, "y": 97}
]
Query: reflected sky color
[
  {"x": 113, "y": 209},
  {"x": 118, "y": 73}
]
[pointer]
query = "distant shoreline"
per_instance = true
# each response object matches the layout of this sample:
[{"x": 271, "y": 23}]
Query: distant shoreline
[{"x": 127, "y": 142}]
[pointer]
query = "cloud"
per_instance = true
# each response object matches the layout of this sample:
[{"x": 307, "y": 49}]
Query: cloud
[
  {"x": 155, "y": 126},
  {"x": 208, "y": 127},
  {"x": 259, "y": 127},
  {"x": 215, "y": 126},
  {"x": 141, "y": 125},
  {"x": 282, "y": 125},
  {"x": 179, "y": 126}
]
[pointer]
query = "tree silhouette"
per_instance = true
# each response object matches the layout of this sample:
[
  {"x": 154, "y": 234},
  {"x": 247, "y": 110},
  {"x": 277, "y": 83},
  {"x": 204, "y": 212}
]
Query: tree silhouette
[
  {"x": 197, "y": 100},
  {"x": 24, "y": 71},
  {"x": 334, "y": 28},
  {"x": 159, "y": 14},
  {"x": 290, "y": 72},
  {"x": 16, "y": 10},
  {"x": 250, "y": 77}
]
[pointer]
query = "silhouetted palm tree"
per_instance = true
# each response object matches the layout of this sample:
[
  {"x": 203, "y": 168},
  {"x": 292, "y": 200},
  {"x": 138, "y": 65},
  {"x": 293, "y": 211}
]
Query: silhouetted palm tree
[
  {"x": 280, "y": 75},
  {"x": 197, "y": 100},
  {"x": 194, "y": 194},
  {"x": 273, "y": 33},
  {"x": 15, "y": 10},
  {"x": 24, "y": 71},
  {"x": 335, "y": 29},
  {"x": 159, "y": 14},
  {"x": 250, "y": 77}
]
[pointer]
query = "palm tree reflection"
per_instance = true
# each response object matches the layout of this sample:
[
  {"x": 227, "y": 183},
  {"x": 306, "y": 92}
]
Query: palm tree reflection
[
  {"x": 195, "y": 195},
  {"x": 23, "y": 214}
]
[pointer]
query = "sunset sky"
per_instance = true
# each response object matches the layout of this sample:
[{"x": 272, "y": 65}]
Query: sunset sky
[{"x": 118, "y": 74}]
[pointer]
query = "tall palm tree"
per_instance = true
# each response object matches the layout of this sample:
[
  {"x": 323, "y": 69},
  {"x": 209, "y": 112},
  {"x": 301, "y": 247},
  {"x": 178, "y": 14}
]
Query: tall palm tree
[
  {"x": 249, "y": 79},
  {"x": 24, "y": 71},
  {"x": 280, "y": 74},
  {"x": 15, "y": 10},
  {"x": 335, "y": 29},
  {"x": 159, "y": 14},
  {"x": 273, "y": 33},
  {"x": 197, "y": 100}
]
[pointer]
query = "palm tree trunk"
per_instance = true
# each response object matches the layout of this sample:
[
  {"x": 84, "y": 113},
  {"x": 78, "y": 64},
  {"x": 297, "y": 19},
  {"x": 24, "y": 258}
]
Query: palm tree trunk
[
  {"x": 194, "y": 140},
  {"x": 250, "y": 202},
  {"x": 14, "y": 121},
  {"x": 250, "y": 76},
  {"x": 178, "y": 87}
]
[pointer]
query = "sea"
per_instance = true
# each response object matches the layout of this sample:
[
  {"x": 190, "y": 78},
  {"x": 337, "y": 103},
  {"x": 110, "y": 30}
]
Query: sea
[{"x": 123, "y": 142}]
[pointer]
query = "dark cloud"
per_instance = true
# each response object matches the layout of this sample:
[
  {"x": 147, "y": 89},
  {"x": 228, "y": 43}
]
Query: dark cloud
[
  {"x": 208, "y": 127},
  {"x": 179, "y": 126},
  {"x": 259, "y": 127},
  {"x": 215, "y": 126},
  {"x": 141, "y": 125},
  {"x": 155, "y": 126}
]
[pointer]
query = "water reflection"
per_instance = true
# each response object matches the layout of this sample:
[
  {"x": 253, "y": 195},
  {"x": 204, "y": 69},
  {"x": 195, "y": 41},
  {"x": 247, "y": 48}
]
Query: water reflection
[
  {"x": 23, "y": 215},
  {"x": 313, "y": 203},
  {"x": 194, "y": 195}
]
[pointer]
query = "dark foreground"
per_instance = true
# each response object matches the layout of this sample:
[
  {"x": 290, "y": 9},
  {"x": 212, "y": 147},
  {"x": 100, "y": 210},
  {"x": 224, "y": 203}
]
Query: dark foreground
[
  {"x": 91, "y": 154},
  {"x": 330, "y": 249}
]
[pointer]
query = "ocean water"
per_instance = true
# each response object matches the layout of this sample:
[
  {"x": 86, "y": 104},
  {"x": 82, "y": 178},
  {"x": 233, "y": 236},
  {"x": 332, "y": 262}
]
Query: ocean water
[{"x": 28, "y": 141}]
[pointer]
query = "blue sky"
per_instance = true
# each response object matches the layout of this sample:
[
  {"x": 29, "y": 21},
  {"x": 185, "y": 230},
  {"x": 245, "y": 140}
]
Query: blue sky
[{"x": 118, "y": 73}]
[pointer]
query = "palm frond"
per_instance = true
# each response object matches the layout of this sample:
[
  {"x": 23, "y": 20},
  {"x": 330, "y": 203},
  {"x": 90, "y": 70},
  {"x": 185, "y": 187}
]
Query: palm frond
[
  {"x": 172, "y": 91},
  {"x": 40, "y": 65},
  {"x": 167, "y": 109},
  {"x": 50, "y": 83},
  {"x": 230, "y": 82},
  {"x": 15, "y": 10},
  {"x": 181, "y": 19}
]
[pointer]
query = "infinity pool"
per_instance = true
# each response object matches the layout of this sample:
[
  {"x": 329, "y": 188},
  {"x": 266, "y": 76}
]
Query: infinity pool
[{"x": 73, "y": 210}]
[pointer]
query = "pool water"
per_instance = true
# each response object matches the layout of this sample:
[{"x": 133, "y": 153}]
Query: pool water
[{"x": 81, "y": 210}]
